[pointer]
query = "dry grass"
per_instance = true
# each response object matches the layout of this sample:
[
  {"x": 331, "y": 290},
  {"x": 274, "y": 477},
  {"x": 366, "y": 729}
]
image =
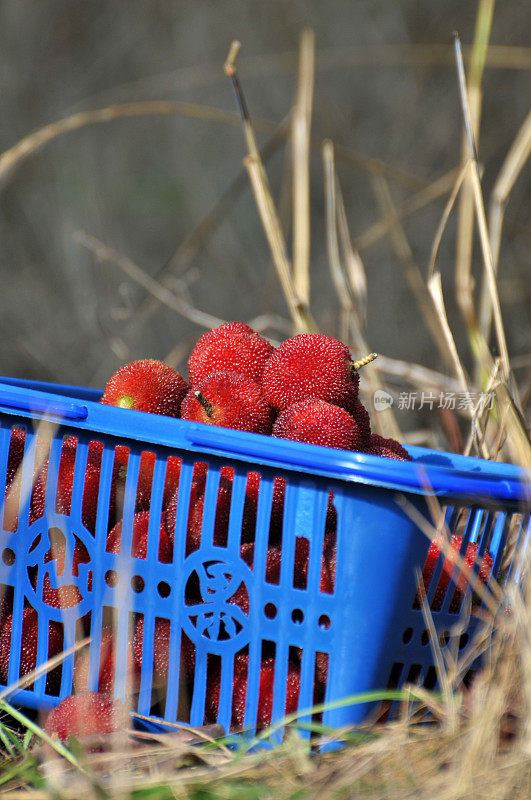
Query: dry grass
[
  {"x": 478, "y": 744},
  {"x": 477, "y": 748}
]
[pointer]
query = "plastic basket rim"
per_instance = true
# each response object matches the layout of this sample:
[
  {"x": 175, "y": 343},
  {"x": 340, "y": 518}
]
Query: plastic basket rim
[{"x": 459, "y": 476}]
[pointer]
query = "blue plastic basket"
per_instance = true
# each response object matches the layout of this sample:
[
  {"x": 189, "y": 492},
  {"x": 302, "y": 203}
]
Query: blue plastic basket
[{"x": 369, "y": 631}]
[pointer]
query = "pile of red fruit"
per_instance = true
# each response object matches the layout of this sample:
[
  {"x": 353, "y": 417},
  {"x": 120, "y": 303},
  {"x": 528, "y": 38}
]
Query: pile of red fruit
[
  {"x": 470, "y": 558},
  {"x": 306, "y": 390}
]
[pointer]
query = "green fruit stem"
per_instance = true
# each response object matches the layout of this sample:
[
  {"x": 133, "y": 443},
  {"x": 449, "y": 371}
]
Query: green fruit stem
[{"x": 363, "y": 361}]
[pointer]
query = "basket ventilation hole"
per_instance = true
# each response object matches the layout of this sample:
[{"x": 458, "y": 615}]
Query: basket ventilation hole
[
  {"x": 463, "y": 640},
  {"x": 111, "y": 578},
  {"x": 324, "y": 622},
  {"x": 444, "y": 638},
  {"x": 425, "y": 638},
  {"x": 270, "y": 610},
  {"x": 406, "y": 636},
  {"x": 414, "y": 673},
  {"x": 137, "y": 584},
  {"x": 8, "y": 556},
  {"x": 430, "y": 680},
  {"x": 164, "y": 589},
  {"x": 297, "y": 616}
]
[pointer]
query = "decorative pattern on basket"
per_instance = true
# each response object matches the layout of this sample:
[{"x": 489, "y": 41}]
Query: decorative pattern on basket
[
  {"x": 214, "y": 617},
  {"x": 364, "y": 631}
]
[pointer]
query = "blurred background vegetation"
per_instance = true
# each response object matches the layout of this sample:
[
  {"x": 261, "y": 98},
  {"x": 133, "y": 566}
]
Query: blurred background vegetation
[{"x": 169, "y": 192}]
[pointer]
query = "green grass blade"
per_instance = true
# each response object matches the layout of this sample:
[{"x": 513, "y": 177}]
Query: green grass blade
[
  {"x": 28, "y": 736},
  {"x": 6, "y": 739},
  {"x": 351, "y": 700},
  {"x": 34, "y": 728}
]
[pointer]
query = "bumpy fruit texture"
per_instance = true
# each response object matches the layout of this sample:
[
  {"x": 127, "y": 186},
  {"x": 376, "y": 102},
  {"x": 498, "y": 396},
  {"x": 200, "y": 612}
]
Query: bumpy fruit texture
[
  {"x": 299, "y": 579},
  {"x": 389, "y": 448},
  {"x": 65, "y": 482},
  {"x": 449, "y": 568},
  {"x": 146, "y": 385},
  {"x": 145, "y": 478},
  {"x": 28, "y": 647},
  {"x": 272, "y": 572},
  {"x": 194, "y": 523},
  {"x": 310, "y": 366},
  {"x": 161, "y": 650},
  {"x": 10, "y": 506},
  {"x": 222, "y": 515},
  {"x": 230, "y": 401},
  {"x": 5, "y": 605},
  {"x": 302, "y": 564},
  {"x": 265, "y": 695},
  {"x": 86, "y": 714},
  {"x": 66, "y": 596},
  {"x": 221, "y": 521},
  {"x": 139, "y": 542},
  {"x": 16, "y": 453},
  {"x": 318, "y": 422},
  {"x": 233, "y": 347},
  {"x": 196, "y": 499},
  {"x": 228, "y": 329},
  {"x": 363, "y": 423},
  {"x": 252, "y": 491},
  {"x": 107, "y": 665},
  {"x": 330, "y": 560}
]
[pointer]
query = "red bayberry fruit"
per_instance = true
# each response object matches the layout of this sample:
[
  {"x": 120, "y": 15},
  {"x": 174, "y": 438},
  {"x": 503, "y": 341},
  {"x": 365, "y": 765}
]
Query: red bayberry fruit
[
  {"x": 277, "y": 506},
  {"x": 196, "y": 499},
  {"x": 318, "y": 422},
  {"x": 28, "y": 647},
  {"x": 66, "y": 596},
  {"x": 17, "y": 442},
  {"x": 363, "y": 422},
  {"x": 139, "y": 543},
  {"x": 86, "y": 714},
  {"x": 146, "y": 385},
  {"x": 300, "y": 568},
  {"x": 65, "y": 482},
  {"x": 273, "y": 563},
  {"x": 265, "y": 695},
  {"x": 5, "y": 605},
  {"x": 448, "y": 569},
  {"x": 13, "y": 480},
  {"x": 145, "y": 478},
  {"x": 233, "y": 347},
  {"x": 229, "y": 400},
  {"x": 194, "y": 524},
  {"x": 388, "y": 448},
  {"x": 330, "y": 560},
  {"x": 277, "y": 510},
  {"x": 107, "y": 665},
  {"x": 310, "y": 365},
  {"x": 223, "y": 510},
  {"x": 161, "y": 649},
  {"x": 227, "y": 330},
  {"x": 302, "y": 564}
]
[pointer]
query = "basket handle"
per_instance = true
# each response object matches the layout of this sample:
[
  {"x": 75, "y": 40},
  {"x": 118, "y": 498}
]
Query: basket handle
[
  {"x": 20, "y": 399},
  {"x": 239, "y": 443}
]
